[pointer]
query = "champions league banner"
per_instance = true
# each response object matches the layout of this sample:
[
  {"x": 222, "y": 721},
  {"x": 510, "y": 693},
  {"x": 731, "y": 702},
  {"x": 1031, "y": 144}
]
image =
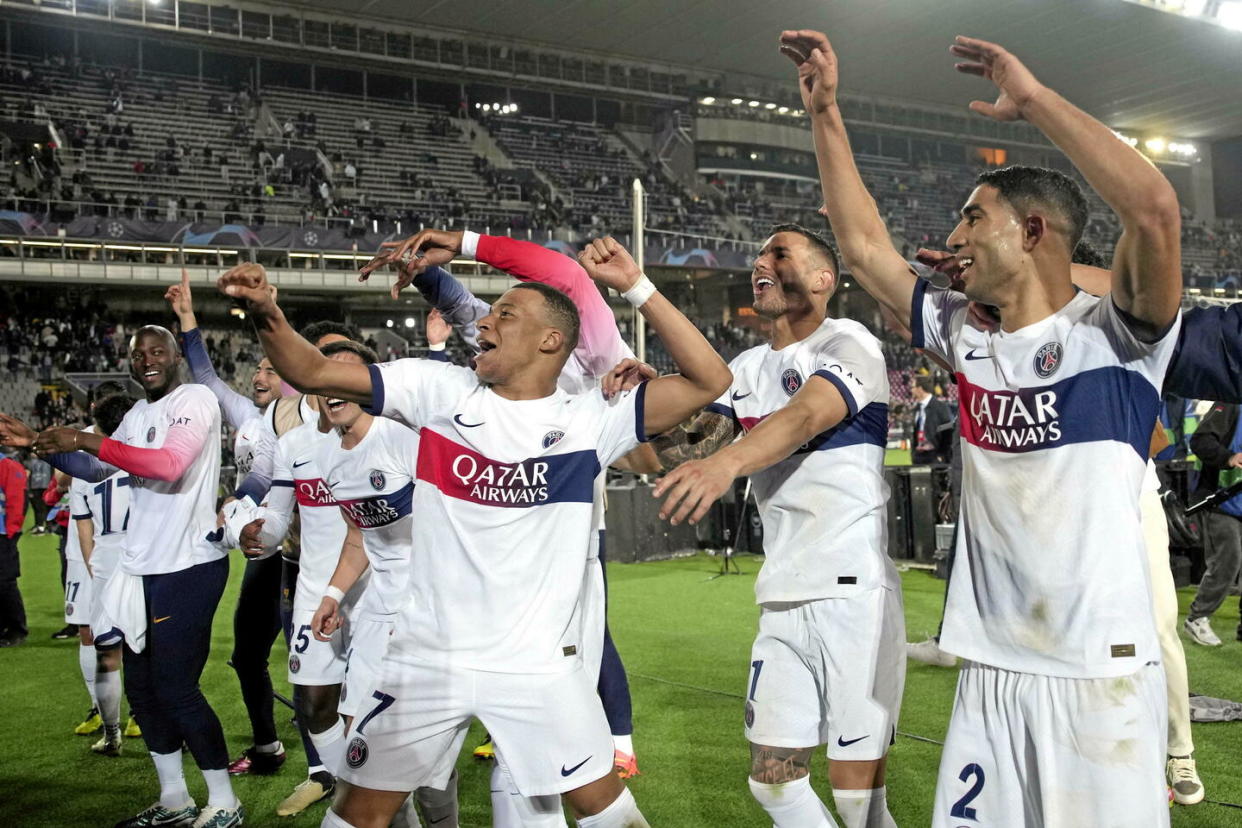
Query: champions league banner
[{"x": 306, "y": 237}]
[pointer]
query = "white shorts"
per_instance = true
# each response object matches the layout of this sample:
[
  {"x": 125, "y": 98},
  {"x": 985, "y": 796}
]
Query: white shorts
[
  {"x": 1037, "y": 750},
  {"x": 829, "y": 672},
  {"x": 313, "y": 662},
  {"x": 78, "y": 593},
  {"x": 549, "y": 728},
  {"x": 594, "y": 617},
  {"x": 364, "y": 658}
]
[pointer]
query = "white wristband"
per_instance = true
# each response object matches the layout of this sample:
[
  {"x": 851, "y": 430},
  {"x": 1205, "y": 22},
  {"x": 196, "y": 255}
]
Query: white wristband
[
  {"x": 334, "y": 593},
  {"x": 439, "y": 346},
  {"x": 641, "y": 292}
]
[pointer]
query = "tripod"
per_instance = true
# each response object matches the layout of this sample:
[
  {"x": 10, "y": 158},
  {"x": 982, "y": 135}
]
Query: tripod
[{"x": 728, "y": 566}]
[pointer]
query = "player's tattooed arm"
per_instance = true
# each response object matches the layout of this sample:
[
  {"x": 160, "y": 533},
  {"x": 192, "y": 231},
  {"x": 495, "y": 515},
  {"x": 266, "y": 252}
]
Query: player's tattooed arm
[
  {"x": 704, "y": 435},
  {"x": 774, "y": 765}
]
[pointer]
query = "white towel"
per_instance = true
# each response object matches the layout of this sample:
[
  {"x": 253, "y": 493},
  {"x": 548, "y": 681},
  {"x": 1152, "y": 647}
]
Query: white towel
[{"x": 125, "y": 607}]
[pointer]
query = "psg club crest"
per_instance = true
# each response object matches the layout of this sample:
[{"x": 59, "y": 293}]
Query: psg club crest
[
  {"x": 68, "y": 609},
  {"x": 791, "y": 381},
  {"x": 151, "y": 434},
  {"x": 1048, "y": 359},
  {"x": 295, "y": 664},
  {"x": 750, "y": 715},
  {"x": 552, "y": 438},
  {"x": 377, "y": 479},
  {"x": 356, "y": 753}
]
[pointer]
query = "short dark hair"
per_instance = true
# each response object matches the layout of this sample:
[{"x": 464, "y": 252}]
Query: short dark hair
[
  {"x": 316, "y": 331},
  {"x": 107, "y": 388},
  {"x": 364, "y": 353},
  {"x": 926, "y": 383},
  {"x": 818, "y": 241},
  {"x": 161, "y": 332},
  {"x": 1025, "y": 187},
  {"x": 560, "y": 307},
  {"x": 109, "y": 411},
  {"x": 1086, "y": 254}
]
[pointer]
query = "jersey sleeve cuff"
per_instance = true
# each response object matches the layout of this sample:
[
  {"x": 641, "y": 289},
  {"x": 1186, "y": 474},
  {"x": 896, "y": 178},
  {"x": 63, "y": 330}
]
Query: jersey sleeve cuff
[
  {"x": 850, "y": 402},
  {"x": 469, "y": 244},
  {"x": 377, "y": 392},
  {"x": 640, "y": 401},
  {"x": 916, "y": 314},
  {"x": 721, "y": 409}
]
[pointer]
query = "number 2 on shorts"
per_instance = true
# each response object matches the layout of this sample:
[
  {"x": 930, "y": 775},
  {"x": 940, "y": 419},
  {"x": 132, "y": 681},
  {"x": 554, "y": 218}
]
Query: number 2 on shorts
[{"x": 959, "y": 808}]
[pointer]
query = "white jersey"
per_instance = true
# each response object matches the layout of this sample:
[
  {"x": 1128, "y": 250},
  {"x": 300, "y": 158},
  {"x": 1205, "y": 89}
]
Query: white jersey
[
  {"x": 252, "y": 442},
  {"x": 373, "y": 483},
  {"x": 1056, "y": 420},
  {"x": 106, "y": 505},
  {"x": 504, "y": 501},
  {"x": 170, "y": 520},
  {"x": 823, "y": 507},
  {"x": 299, "y": 479},
  {"x": 76, "y": 504}
]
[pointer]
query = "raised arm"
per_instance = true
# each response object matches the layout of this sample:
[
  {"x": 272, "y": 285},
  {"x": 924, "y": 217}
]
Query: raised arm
[
  {"x": 866, "y": 247},
  {"x": 1147, "y": 266},
  {"x": 297, "y": 361},
  {"x": 669, "y": 400},
  {"x": 693, "y": 487},
  {"x": 237, "y": 407}
]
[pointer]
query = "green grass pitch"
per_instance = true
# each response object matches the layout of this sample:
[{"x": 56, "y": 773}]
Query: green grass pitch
[{"x": 685, "y": 639}]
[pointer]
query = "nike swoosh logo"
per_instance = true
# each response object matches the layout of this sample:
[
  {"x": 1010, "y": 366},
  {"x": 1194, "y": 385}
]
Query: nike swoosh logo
[
  {"x": 737, "y": 396},
  {"x": 457, "y": 419},
  {"x": 575, "y": 767},
  {"x": 303, "y": 463},
  {"x": 158, "y": 620},
  {"x": 841, "y": 741},
  {"x": 971, "y": 355}
]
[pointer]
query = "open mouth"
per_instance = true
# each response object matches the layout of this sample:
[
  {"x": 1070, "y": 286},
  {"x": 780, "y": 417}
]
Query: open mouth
[
  {"x": 335, "y": 405},
  {"x": 151, "y": 375},
  {"x": 763, "y": 283},
  {"x": 964, "y": 263},
  {"x": 261, "y": 390},
  {"x": 485, "y": 346}
]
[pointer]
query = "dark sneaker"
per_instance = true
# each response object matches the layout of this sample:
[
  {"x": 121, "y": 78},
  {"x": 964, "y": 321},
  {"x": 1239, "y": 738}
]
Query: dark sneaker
[
  {"x": 260, "y": 764},
  {"x": 67, "y": 631}
]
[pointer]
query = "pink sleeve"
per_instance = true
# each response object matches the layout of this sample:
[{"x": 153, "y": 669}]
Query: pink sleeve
[
  {"x": 600, "y": 346},
  {"x": 167, "y": 462}
]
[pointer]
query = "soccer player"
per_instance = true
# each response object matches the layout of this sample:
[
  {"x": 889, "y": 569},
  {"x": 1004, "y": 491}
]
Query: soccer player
[
  {"x": 600, "y": 348},
  {"x": 101, "y": 517},
  {"x": 256, "y": 620},
  {"x": 165, "y": 590},
  {"x": 828, "y": 664},
  {"x": 509, "y": 469},
  {"x": 1050, "y": 605}
]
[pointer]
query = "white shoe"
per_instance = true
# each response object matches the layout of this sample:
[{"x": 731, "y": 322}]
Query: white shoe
[
  {"x": 1184, "y": 780},
  {"x": 929, "y": 652},
  {"x": 1200, "y": 631}
]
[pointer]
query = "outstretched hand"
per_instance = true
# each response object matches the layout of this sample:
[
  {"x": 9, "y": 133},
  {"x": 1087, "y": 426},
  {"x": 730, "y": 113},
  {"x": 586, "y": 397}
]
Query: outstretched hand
[
  {"x": 438, "y": 331},
  {"x": 692, "y": 488},
  {"x": 180, "y": 299},
  {"x": 15, "y": 433},
  {"x": 56, "y": 440},
  {"x": 412, "y": 256},
  {"x": 811, "y": 52},
  {"x": 610, "y": 264},
  {"x": 1018, "y": 87},
  {"x": 248, "y": 282}
]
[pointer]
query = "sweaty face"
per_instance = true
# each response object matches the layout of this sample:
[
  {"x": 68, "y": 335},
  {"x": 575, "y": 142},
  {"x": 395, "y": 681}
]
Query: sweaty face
[
  {"x": 153, "y": 362},
  {"x": 510, "y": 336},
  {"x": 342, "y": 414},
  {"x": 265, "y": 383},
  {"x": 784, "y": 275},
  {"x": 988, "y": 244}
]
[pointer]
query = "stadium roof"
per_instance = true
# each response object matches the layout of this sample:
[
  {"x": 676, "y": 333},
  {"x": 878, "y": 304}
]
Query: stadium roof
[{"x": 1132, "y": 67}]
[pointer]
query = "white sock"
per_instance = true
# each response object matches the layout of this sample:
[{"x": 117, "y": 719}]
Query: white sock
[
  {"x": 864, "y": 808},
  {"x": 220, "y": 789},
  {"x": 792, "y": 804},
  {"x": 272, "y": 747},
  {"x": 108, "y": 692},
  {"x": 504, "y": 810},
  {"x": 625, "y": 743},
  {"x": 331, "y": 746},
  {"x": 331, "y": 820},
  {"x": 173, "y": 792},
  {"x": 622, "y": 813},
  {"x": 86, "y": 660}
]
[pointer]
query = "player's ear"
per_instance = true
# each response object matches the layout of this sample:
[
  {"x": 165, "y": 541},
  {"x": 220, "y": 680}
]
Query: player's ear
[
  {"x": 1033, "y": 230},
  {"x": 552, "y": 341}
]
